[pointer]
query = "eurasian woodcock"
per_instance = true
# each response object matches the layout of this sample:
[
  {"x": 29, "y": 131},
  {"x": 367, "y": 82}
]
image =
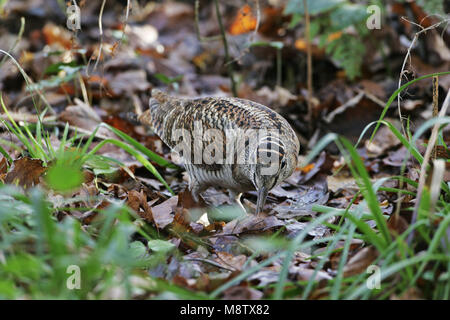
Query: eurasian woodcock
[{"x": 232, "y": 143}]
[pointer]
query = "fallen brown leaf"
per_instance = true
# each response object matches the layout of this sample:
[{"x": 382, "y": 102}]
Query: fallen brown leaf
[
  {"x": 304, "y": 274},
  {"x": 163, "y": 213},
  {"x": 397, "y": 225},
  {"x": 229, "y": 260},
  {"x": 83, "y": 116},
  {"x": 242, "y": 293},
  {"x": 25, "y": 172},
  {"x": 360, "y": 261},
  {"x": 3, "y": 166},
  {"x": 137, "y": 200}
]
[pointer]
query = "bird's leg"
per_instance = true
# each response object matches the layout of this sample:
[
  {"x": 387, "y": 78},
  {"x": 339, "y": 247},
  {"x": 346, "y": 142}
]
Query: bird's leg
[{"x": 236, "y": 196}]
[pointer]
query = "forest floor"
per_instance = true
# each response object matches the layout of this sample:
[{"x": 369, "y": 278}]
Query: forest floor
[{"x": 81, "y": 186}]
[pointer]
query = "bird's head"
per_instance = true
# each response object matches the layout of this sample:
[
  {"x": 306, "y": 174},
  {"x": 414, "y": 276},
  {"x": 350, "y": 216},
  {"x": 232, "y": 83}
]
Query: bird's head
[{"x": 274, "y": 163}]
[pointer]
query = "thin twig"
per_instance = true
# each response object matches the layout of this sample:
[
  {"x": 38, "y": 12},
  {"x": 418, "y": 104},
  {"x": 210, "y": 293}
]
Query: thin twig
[
  {"x": 309, "y": 65},
  {"x": 100, "y": 27},
  {"x": 16, "y": 42},
  {"x": 258, "y": 21},
  {"x": 211, "y": 262},
  {"x": 252, "y": 37},
  {"x": 125, "y": 24},
  {"x": 435, "y": 107},
  {"x": 25, "y": 117},
  {"x": 197, "y": 25},
  {"x": 225, "y": 45},
  {"x": 29, "y": 82},
  {"x": 83, "y": 89},
  {"x": 279, "y": 68}
]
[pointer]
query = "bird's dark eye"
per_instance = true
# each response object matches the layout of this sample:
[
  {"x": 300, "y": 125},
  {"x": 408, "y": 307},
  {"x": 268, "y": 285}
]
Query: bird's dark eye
[{"x": 283, "y": 164}]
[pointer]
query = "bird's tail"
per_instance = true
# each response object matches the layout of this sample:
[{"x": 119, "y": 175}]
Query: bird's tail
[{"x": 160, "y": 107}]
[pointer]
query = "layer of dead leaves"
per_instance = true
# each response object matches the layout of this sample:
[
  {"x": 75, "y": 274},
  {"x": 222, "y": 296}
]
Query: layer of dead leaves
[{"x": 162, "y": 50}]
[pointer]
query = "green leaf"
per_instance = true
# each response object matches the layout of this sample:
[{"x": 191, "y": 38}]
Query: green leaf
[
  {"x": 7, "y": 289},
  {"x": 99, "y": 165},
  {"x": 161, "y": 246},
  {"x": 432, "y": 6},
  {"x": 168, "y": 80},
  {"x": 56, "y": 81},
  {"x": 56, "y": 67},
  {"x": 314, "y": 6},
  {"x": 138, "y": 249},
  {"x": 348, "y": 51},
  {"x": 273, "y": 44},
  {"x": 347, "y": 15},
  {"x": 24, "y": 266},
  {"x": 64, "y": 177}
]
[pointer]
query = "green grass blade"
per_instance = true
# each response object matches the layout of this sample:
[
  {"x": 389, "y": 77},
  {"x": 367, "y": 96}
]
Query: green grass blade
[
  {"x": 371, "y": 236},
  {"x": 135, "y": 154},
  {"x": 363, "y": 179},
  {"x": 41, "y": 154},
  {"x": 63, "y": 142},
  {"x": 289, "y": 253},
  {"x": 393, "y": 269},
  {"x": 6, "y": 155},
  {"x": 150, "y": 154}
]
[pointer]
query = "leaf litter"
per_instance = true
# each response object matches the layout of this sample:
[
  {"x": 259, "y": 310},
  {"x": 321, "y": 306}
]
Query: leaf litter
[{"x": 202, "y": 245}]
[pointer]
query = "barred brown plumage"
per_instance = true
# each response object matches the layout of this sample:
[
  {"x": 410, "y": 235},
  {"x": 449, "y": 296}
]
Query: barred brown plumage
[{"x": 233, "y": 143}]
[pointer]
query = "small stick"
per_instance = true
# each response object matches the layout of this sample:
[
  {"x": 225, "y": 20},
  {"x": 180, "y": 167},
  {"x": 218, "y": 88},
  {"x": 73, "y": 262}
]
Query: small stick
[
  {"x": 309, "y": 65},
  {"x": 125, "y": 24},
  {"x": 435, "y": 108},
  {"x": 83, "y": 89},
  {"x": 16, "y": 42},
  {"x": 100, "y": 27},
  {"x": 258, "y": 21},
  {"x": 225, "y": 45},
  {"x": 197, "y": 25}
]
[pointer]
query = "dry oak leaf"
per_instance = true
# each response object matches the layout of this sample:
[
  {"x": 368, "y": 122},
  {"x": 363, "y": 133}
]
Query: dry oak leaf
[
  {"x": 3, "y": 166},
  {"x": 83, "y": 116},
  {"x": 137, "y": 200},
  {"x": 242, "y": 293},
  {"x": 360, "y": 261},
  {"x": 397, "y": 225},
  {"x": 228, "y": 260},
  {"x": 303, "y": 274},
  {"x": 163, "y": 213},
  {"x": 25, "y": 172}
]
